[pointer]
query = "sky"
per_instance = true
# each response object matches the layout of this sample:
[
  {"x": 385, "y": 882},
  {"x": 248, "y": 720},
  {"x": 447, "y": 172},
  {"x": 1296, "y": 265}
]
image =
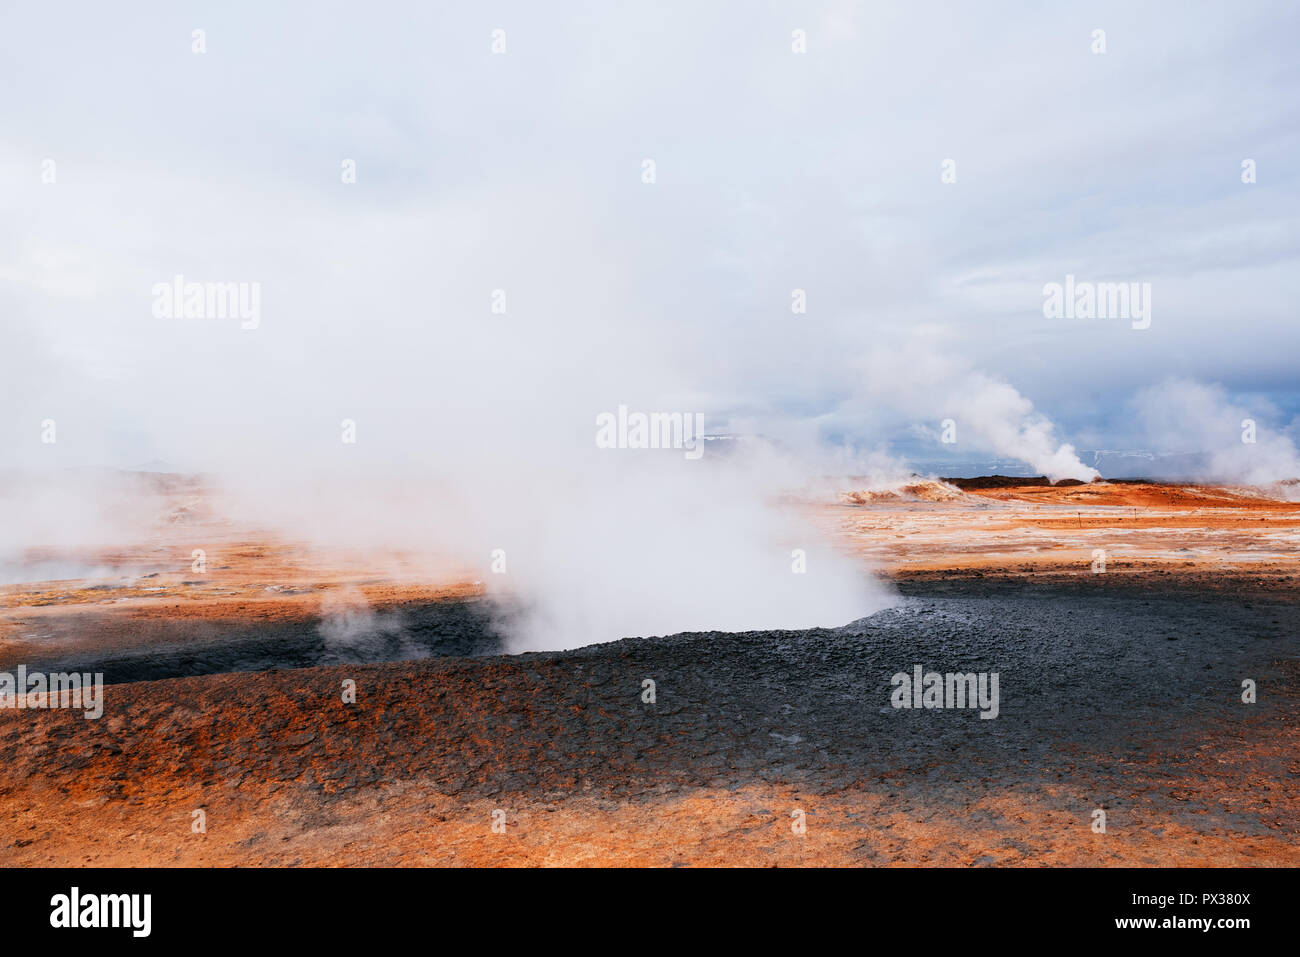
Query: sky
[{"x": 523, "y": 169}]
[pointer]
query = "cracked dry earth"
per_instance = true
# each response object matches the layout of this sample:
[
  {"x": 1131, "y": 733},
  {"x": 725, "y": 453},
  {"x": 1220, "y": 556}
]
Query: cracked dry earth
[{"x": 1121, "y": 698}]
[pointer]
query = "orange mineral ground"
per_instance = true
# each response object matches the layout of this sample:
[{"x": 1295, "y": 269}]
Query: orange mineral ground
[
  {"x": 750, "y": 756},
  {"x": 1205, "y": 533}
]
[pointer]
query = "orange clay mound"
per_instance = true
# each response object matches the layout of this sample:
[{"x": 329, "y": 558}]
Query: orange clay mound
[{"x": 920, "y": 490}]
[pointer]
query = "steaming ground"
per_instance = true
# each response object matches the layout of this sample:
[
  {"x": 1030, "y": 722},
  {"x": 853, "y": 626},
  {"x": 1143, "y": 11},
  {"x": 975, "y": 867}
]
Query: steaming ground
[
  {"x": 616, "y": 546},
  {"x": 1119, "y": 691},
  {"x": 1127, "y": 701},
  {"x": 177, "y": 648}
]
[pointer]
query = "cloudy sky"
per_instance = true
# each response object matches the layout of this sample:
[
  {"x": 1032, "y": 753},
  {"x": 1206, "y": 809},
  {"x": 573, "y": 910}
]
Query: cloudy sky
[{"x": 524, "y": 171}]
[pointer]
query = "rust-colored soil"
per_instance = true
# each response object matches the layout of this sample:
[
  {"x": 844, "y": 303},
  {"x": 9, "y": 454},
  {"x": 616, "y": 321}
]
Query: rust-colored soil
[
  {"x": 1206, "y": 535},
  {"x": 415, "y": 771}
]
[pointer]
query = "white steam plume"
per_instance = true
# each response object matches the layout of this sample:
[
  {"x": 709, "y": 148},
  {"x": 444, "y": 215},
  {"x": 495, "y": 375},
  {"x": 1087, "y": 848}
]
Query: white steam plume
[
  {"x": 918, "y": 380},
  {"x": 1240, "y": 444}
]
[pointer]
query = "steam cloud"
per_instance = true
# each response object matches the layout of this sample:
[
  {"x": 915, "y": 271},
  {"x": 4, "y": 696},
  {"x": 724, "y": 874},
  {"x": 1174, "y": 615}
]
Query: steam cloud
[
  {"x": 1239, "y": 444},
  {"x": 521, "y": 175},
  {"x": 919, "y": 380}
]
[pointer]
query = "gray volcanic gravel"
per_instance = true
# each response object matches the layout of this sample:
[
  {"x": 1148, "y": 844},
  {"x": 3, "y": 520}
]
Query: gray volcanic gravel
[
  {"x": 1092, "y": 683},
  {"x": 180, "y": 647}
]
